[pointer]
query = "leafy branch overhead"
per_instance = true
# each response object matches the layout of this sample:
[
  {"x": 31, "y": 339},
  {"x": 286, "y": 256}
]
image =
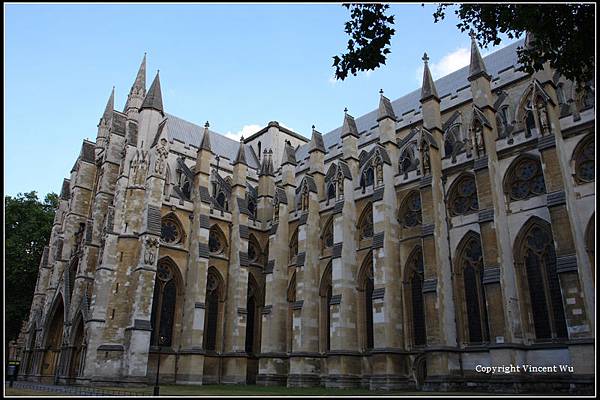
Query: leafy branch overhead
[
  {"x": 370, "y": 34},
  {"x": 561, "y": 34}
]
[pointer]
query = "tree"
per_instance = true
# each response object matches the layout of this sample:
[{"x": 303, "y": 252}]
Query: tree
[
  {"x": 561, "y": 34},
  {"x": 28, "y": 226}
]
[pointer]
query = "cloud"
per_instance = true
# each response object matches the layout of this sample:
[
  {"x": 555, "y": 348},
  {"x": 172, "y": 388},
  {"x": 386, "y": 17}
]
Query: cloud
[
  {"x": 246, "y": 131},
  {"x": 449, "y": 63}
]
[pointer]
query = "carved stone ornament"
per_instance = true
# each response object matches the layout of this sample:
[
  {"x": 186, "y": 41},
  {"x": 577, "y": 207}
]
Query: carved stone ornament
[
  {"x": 161, "y": 157},
  {"x": 150, "y": 246}
]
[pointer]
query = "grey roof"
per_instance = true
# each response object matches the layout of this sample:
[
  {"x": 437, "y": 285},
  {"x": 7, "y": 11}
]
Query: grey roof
[
  {"x": 191, "y": 134},
  {"x": 447, "y": 86},
  {"x": 153, "y": 98}
]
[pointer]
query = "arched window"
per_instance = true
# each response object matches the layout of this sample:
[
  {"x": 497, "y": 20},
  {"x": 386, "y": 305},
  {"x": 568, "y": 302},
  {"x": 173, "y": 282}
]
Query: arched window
[
  {"x": 216, "y": 240},
  {"x": 408, "y": 160},
  {"x": 365, "y": 223},
  {"x": 366, "y": 286},
  {"x": 328, "y": 235},
  {"x": 214, "y": 287},
  {"x": 72, "y": 273},
  {"x": 502, "y": 121},
  {"x": 585, "y": 161},
  {"x": 410, "y": 212},
  {"x": 294, "y": 247},
  {"x": 254, "y": 251},
  {"x": 252, "y": 208},
  {"x": 222, "y": 201},
  {"x": 414, "y": 273},
  {"x": 163, "y": 305},
  {"x": 171, "y": 231},
  {"x": 184, "y": 184},
  {"x": 291, "y": 299},
  {"x": 463, "y": 196},
  {"x": 537, "y": 257},
  {"x": 252, "y": 304},
  {"x": 325, "y": 293},
  {"x": 584, "y": 97},
  {"x": 331, "y": 191},
  {"x": 368, "y": 177},
  {"x": 452, "y": 141},
  {"x": 525, "y": 179},
  {"x": 469, "y": 264}
]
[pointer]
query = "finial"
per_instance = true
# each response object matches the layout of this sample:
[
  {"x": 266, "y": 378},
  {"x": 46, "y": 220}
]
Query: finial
[
  {"x": 345, "y": 110},
  {"x": 206, "y": 125},
  {"x": 265, "y": 152},
  {"x": 472, "y": 35},
  {"x": 381, "y": 92},
  {"x": 242, "y": 138},
  {"x": 425, "y": 58},
  {"x": 313, "y": 127},
  {"x": 270, "y": 151}
]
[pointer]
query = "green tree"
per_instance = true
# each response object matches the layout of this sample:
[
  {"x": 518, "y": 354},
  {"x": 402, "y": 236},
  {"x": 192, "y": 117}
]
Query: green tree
[
  {"x": 561, "y": 34},
  {"x": 28, "y": 225}
]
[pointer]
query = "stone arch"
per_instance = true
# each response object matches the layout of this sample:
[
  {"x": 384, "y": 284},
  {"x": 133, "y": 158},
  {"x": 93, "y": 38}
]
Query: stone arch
[
  {"x": 583, "y": 160},
  {"x": 413, "y": 277},
  {"x": 409, "y": 159},
  {"x": 365, "y": 222},
  {"x": 462, "y": 195},
  {"x": 325, "y": 294},
  {"x": 364, "y": 281},
  {"x": 167, "y": 302},
  {"x": 469, "y": 292},
  {"x": 524, "y": 178},
  {"x": 171, "y": 229},
  {"x": 53, "y": 337},
  {"x": 535, "y": 264},
  {"x": 255, "y": 252},
  {"x": 78, "y": 343},
  {"x": 217, "y": 242},
  {"x": 254, "y": 304},
  {"x": 327, "y": 234},
  {"x": 409, "y": 212},
  {"x": 291, "y": 299},
  {"x": 293, "y": 246},
  {"x": 214, "y": 306}
]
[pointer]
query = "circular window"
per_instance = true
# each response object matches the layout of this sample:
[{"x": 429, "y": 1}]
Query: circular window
[{"x": 170, "y": 231}]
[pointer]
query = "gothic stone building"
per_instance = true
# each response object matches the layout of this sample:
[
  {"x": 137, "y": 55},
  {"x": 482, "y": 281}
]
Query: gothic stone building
[{"x": 449, "y": 229}]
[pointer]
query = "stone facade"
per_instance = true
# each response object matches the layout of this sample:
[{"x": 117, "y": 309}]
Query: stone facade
[{"x": 436, "y": 234}]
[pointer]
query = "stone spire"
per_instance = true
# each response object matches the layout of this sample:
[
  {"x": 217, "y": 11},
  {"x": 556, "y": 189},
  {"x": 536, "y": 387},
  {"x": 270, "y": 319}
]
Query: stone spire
[
  {"x": 266, "y": 167},
  {"x": 154, "y": 97},
  {"x": 110, "y": 106},
  {"x": 205, "y": 142},
  {"x": 385, "y": 108},
  {"x": 289, "y": 154},
  {"x": 428, "y": 89},
  {"x": 349, "y": 127},
  {"x": 316, "y": 141},
  {"x": 241, "y": 154},
  {"x": 477, "y": 67},
  {"x": 138, "y": 89}
]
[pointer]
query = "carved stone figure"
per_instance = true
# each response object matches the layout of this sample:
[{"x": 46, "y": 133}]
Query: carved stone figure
[
  {"x": 150, "y": 246},
  {"x": 161, "y": 157}
]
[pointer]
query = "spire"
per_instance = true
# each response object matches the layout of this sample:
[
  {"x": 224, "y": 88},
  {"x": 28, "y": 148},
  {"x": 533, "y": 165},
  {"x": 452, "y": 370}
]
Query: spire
[
  {"x": 289, "y": 154},
  {"x": 349, "y": 127},
  {"x": 428, "y": 89},
  {"x": 154, "y": 97},
  {"x": 316, "y": 141},
  {"x": 110, "y": 106},
  {"x": 477, "y": 67},
  {"x": 139, "y": 86},
  {"x": 266, "y": 167},
  {"x": 241, "y": 154},
  {"x": 205, "y": 142},
  {"x": 385, "y": 108}
]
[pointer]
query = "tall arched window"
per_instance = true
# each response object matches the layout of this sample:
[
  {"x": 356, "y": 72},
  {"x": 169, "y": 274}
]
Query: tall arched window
[
  {"x": 525, "y": 179},
  {"x": 585, "y": 160},
  {"x": 294, "y": 247},
  {"x": 213, "y": 298},
  {"x": 452, "y": 141},
  {"x": 365, "y": 279},
  {"x": 367, "y": 177},
  {"x": 327, "y": 237},
  {"x": 463, "y": 196},
  {"x": 331, "y": 191},
  {"x": 252, "y": 303},
  {"x": 325, "y": 293},
  {"x": 469, "y": 264},
  {"x": 410, "y": 212},
  {"x": 408, "y": 160},
  {"x": 291, "y": 299},
  {"x": 365, "y": 223},
  {"x": 163, "y": 305},
  {"x": 537, "y": 259},
  {"x": 414, "y": 273}
]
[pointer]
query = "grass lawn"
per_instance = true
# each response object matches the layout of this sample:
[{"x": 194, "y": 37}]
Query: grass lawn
[{"x": 27, "y": 392}]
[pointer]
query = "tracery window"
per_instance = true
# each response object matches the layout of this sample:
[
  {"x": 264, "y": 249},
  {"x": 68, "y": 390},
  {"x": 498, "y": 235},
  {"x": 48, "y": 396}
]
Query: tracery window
[
  {"x": 330, "y": 192},
  {"x": 526, "y": 179},
  {"x": 471, "y": 265},
  {"x": 367, "y": 287},
  {"x": 463, "y": 197},
  {"x": 213, "y": 290},
  {"x": 222, "y": 201},
  {"x": 253, "y": 250},
  {"x": 368, "y": 177},
  {"x": 216, "y": 241},
  {"x": 410, "y": 214},
  {"x": 294, "y": 247},
  {"x": 415, "y": 271},
  {"x": 170, "y": 230},
  {"x": 184, "y": 185},
  {"x": 408, "y": 161},
  {"x": 163, "y": 305},
  {"x": 252, "y": 208},
  {"x": 452, "y": 143},
  {"x": 539, "y": 259},
  {"x": 584, "y": 97},
  {"x": 585, "y": 162},
  {"x": 365, "y": 223},
  {"x": 328, "y": 235},
  {"x": 502, "y": 122}
]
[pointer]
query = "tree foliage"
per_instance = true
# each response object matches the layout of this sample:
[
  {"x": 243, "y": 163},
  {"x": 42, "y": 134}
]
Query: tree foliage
[
  {"x": 28, "y": 225},
  {"x": 561, "y": 34}
]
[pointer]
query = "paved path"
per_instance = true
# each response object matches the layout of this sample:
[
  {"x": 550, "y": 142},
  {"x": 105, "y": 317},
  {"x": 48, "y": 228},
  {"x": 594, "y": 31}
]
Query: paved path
[{"x": 72, "y": 389}]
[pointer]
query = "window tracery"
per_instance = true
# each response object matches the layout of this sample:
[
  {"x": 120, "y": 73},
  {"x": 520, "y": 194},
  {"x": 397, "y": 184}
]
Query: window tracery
[
  {"x": 463, "y": 197},
  {"x": 410, "y": 214},
  {"x": 585, "y": 162},
  {"x": 170, "y": 231},
  {"x": 216, "y": 241},
  {"x": 365, "y": 224},
  {"x": 526, "y": 179},
  {"x": 163, "y": 305}
]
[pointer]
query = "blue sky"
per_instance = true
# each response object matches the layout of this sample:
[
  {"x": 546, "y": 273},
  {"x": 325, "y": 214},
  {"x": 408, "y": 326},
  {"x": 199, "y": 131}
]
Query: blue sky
[{"x": 238, "y": 66}]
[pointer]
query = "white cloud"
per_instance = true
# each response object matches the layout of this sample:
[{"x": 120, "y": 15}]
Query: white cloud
[
  {"x": 449, "y": 63},
  {"x": 246, "y": 131}
]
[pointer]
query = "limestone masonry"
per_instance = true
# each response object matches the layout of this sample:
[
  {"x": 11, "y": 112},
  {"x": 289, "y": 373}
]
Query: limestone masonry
[{"x": 446, "y": 232}]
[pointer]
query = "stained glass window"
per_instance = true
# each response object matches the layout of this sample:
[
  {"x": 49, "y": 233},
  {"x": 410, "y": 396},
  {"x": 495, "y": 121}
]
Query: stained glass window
[
  {"x": 212, "y": 312},
  {"x": 365, "y": 225},
  {"x": 416, "y": 270},
  {"x": 410, "y": 214},
  {"x": 216, "y": 242},
  {"x": 163, "y": 306},
  {"x": 585, "y": 162},
  {"x": 170, "y": 231},
  {"x": 463, "y": 197},
  {"x": 474, "y": 293},
  {"x": 527, "y": 180}
]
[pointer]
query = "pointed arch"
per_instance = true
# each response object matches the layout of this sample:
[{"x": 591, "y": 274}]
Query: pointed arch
[
  {"x": 524, "y": 178},
  {"x": 291, "y": 299},
  {"x": 217, "y": 242},
  {"x": 255, "y": 252},
  {"x": 78, "y": 343},
  {"x": 469, "y": 290},
  {"x": 535, "y": 261},
  {"x": 365, "y": 222},
  {"x": 413, "y": 278},
  {"x": 293, "y": 247},
  {"x": 167, "y": 285},
  {"x": 583, "y": 160},
  {"x": 53, "y": 338},
  {"x": 215, "y": 297},
  {"x": 325, "y": 294},
  {"x": 254, "y": 300},
  {"x": 365, "y": 288},
  {"x": 409, "y": 214},
  {"x": 462, "y": 195},
  {"x": 327, "y": 235},
  {"x": 171, "y": 229},
  {"x": 409, "y": 160}
]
